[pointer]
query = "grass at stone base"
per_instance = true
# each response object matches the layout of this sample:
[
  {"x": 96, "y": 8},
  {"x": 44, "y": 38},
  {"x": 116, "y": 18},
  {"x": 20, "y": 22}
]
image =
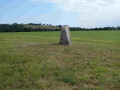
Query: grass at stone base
[{"x": 35, "y": 61}]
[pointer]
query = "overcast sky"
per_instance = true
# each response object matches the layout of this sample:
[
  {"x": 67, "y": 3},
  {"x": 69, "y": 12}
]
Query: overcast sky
[{"x": 78, "y": 13}]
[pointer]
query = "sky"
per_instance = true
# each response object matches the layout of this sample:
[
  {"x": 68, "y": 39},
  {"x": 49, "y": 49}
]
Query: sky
[{"x": 75, "y": 13}]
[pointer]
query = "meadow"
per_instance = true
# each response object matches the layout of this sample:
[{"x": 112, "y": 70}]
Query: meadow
[{"x": 35, "y": 60}]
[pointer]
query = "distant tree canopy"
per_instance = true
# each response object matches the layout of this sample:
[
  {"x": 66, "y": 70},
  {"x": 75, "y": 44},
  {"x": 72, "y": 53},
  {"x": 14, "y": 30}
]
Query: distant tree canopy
[{"x": 32, "y": 27}]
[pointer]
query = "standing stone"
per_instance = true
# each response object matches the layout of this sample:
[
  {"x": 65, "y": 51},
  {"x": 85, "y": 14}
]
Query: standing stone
[{"x": 65, "y": 35}]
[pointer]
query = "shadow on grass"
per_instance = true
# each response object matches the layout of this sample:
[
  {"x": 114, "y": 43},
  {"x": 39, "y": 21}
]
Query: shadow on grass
[{"x": 60, "y": 44}]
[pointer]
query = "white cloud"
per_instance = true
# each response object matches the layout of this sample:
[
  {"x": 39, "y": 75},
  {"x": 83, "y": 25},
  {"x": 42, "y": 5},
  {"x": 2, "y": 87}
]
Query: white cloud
[{"x": 91, "y": 12}]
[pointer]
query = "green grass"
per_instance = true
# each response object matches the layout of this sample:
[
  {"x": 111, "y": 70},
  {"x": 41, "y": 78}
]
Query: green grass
[{"x": 34, "y": 60}]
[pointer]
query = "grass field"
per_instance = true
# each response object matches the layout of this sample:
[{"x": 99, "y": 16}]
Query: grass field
[{"x": 34, "y": 60}]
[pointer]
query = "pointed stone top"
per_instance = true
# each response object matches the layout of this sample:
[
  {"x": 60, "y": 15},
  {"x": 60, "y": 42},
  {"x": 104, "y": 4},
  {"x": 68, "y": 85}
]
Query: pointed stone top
[{"x": 65, "y": 26}]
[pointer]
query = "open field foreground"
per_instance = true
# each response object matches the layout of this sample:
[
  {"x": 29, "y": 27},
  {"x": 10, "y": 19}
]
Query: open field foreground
[{"x": 34, "y": 60}]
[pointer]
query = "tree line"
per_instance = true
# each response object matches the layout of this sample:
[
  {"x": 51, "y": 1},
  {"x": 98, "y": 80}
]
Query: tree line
[{"x": 32, "y": 27}]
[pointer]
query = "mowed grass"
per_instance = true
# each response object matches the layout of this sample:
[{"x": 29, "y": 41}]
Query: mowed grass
[{"x": 35, "y": 60}]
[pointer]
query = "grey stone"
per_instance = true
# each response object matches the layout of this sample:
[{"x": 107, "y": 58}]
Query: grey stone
[{"x": 65, "y": 35}]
